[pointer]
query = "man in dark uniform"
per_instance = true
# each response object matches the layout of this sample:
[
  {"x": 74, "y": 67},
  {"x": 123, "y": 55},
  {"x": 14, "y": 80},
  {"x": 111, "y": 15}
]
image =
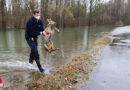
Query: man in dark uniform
[{"x": 34, "y": 27}]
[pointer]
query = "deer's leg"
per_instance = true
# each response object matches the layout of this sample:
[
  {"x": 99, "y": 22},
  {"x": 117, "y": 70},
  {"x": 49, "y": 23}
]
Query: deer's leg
[
  {"x": 46, "y": 47},
  {"x": 52, "y": 45}
]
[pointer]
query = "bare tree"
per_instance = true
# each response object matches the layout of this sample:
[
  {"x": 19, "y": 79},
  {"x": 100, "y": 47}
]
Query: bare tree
[
  {"x": 3, "y": 14},
  {"x": 90, "y": 12}
]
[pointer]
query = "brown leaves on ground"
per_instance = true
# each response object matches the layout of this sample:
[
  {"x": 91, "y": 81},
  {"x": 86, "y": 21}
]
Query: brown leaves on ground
[
  {"x": 103, "y": 40},
  {"x": 62, "y": 78}
]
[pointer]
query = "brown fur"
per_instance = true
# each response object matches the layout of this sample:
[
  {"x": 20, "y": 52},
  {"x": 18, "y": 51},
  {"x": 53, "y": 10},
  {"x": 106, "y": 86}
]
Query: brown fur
[{"x": 50, "y": 29}]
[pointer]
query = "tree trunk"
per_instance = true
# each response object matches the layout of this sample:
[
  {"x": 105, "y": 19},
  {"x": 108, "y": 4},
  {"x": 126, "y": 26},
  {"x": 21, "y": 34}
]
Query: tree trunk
[{"x": 3, "y": 15}]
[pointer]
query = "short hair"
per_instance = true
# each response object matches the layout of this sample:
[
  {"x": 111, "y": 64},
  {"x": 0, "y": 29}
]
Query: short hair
[{"x": 36, "y": 11}]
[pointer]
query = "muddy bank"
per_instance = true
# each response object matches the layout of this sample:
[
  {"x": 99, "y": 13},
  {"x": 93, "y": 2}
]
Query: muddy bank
[{"x": 63, "y": 78}]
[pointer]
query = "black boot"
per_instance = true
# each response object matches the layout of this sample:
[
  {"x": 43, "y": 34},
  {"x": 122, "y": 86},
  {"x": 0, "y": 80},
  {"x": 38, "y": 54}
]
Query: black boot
[
  {"x": 31, "y": 62},
  {"x": 41, "y": 70},
  {"x": 39, "y": 66}
]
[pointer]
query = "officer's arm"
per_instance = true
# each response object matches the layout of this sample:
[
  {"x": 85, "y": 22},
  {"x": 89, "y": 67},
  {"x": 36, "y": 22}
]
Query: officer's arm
[{"x": 42, "y": 27}]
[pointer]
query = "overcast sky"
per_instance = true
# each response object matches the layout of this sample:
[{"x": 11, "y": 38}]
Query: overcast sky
[{"x": 106, "y": 0}]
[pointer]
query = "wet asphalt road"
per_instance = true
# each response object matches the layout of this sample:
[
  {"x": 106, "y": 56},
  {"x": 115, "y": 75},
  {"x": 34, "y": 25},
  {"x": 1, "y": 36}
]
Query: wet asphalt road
[{"x": 113, "y": 70}]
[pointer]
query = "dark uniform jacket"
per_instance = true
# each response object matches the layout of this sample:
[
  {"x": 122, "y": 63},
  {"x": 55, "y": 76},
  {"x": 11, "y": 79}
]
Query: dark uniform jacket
[{"x": 34, "y": 27}]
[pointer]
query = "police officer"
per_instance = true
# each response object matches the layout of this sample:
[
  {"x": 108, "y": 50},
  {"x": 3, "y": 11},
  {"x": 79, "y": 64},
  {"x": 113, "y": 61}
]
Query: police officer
[{"x": 34, "y": 27}]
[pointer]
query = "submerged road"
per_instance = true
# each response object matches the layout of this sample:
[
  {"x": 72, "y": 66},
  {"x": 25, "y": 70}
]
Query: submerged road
[{"x": 113, "y": 70}]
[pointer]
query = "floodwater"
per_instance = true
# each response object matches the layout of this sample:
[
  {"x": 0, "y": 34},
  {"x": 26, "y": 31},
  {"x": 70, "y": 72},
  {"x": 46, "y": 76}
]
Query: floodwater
[
  {"x": 113, "y": 70},
  {"x": 14, "y": 52}
]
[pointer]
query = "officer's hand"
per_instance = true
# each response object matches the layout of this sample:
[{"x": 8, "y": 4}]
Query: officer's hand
[{"x": 44, "y": 33}]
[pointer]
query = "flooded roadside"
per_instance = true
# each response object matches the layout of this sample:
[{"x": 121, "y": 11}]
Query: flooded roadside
[{"x": 14, "y": 59}]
